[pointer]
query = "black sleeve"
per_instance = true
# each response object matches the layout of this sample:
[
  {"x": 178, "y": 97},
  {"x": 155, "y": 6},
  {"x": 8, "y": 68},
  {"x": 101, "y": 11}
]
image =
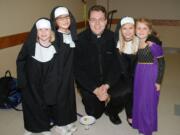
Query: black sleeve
[
  {"x": 81, "y": 77},
  {"x": 161, "y": 68},
  {"x": 21, "y": 62},
  {"x": 154, "y": 39},
  {"x": 118, "y": 68},
  {"x": 114, "y": 72}
]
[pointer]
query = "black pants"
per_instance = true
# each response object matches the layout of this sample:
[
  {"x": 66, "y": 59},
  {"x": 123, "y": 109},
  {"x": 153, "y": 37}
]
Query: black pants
[
  {"x": 95, "y": 107},
  {"x": 122, "y": 94},
  {"x": 126, "y": 103}
]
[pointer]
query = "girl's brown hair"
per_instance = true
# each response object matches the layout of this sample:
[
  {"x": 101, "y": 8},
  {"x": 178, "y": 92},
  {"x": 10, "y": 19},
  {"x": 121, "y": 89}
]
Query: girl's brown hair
[
  {"x": 97, "y": 8},
  {"x": 146, "y": 21}
]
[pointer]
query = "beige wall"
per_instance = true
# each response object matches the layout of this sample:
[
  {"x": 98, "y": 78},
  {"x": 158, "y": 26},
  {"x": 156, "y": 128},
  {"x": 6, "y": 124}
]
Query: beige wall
[
  {"x": 153, "y": 9},
  {"x": 8, "y": 60},
  {"x": 18, "y": 16},
  {"x": 170, "y": 35}
]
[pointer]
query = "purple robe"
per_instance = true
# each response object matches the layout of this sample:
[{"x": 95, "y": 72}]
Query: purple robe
[{"x": 146, "y": 97}]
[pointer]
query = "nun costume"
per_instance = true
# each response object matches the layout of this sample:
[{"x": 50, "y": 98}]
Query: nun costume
[
  {"x": 37, "y": 77},
  {"x": 66, "y": 103}
]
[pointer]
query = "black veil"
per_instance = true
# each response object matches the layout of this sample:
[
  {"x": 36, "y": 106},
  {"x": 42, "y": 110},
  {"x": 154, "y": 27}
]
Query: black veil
[
  {"x": 31, "y": 40},
  {"x": 72, "y": 27}
]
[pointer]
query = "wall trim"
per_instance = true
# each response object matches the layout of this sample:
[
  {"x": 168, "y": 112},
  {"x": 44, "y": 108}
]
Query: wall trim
[
  {"x": 17, "y": 39},
  {"x": 157, "y": 22},
  {"x": 12, "y": 40}
]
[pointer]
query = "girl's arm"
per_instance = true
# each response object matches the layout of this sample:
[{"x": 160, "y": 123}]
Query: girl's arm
[{"x": 161, "y": 68}]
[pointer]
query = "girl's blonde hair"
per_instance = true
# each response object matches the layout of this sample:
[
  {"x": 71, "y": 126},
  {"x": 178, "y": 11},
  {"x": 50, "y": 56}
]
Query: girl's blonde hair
[
  {"x": 122, "y": 43},
  {"x": 52, "y": 37}
]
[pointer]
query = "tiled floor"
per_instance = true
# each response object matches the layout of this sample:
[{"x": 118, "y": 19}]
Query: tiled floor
[{"x": 11, "y": 122}]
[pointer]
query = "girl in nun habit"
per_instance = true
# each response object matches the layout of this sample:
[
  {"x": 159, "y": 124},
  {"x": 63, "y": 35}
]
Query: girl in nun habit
[
  {"x": 36, "y": 73},
  {"x": 127, "y": 47},
  {"x": 64, "y": 26}
]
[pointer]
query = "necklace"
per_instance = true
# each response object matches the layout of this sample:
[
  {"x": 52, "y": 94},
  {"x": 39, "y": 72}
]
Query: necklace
[{"x": 46, "y": 45}]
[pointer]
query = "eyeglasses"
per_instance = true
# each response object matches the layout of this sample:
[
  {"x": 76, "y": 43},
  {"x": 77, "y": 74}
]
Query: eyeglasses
[
  {"x": 63, "y": 18},
  {"x": 100, "y": 20}
]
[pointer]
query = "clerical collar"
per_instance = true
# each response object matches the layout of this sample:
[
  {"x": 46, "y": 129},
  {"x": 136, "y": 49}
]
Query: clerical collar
[
  {"x": 98, "y": 36},
  {"x": 95, "y": 35}
]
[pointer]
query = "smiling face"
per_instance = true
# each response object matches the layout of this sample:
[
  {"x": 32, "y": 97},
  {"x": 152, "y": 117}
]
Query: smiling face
[
  {"x": 63, "y": 22},
  {"x": 128, "y": 31},
  {"x": 44, "y": 34},
  {"x": 142, "y": 30},
  {"x": 97, "y": 22}
]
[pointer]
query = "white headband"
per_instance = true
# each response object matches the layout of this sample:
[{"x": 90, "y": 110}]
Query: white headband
[
  {"x": 43, "y": 23},
  {"x": 127, "y": 20},
  {"x": 61, "y": 11}
]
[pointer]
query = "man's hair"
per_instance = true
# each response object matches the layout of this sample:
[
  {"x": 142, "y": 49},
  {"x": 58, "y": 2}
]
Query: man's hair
[{"x": 97, "y": 8}]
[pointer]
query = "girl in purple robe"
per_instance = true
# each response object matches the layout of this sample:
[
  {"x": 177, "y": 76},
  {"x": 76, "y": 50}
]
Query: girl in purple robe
[{"x": 148, "y": 77}]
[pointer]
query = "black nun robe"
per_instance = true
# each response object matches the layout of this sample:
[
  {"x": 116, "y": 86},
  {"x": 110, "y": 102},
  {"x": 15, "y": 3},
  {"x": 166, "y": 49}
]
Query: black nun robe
[
  {"x": 124, "y": 86},
  {"x": 38, "y": 81},
  {"x": 66, "y": 103}
]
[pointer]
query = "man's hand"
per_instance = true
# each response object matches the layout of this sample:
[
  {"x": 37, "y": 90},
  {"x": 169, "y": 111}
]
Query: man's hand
[
  {"x": 105, "y": 87},
  {"x": 101, "y": 92}
]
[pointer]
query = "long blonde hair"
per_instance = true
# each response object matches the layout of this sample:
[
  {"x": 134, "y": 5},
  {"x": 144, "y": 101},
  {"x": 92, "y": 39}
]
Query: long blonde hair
[
  {"x": 52, "y": 37},
  {"x": 122, "y": 43}
]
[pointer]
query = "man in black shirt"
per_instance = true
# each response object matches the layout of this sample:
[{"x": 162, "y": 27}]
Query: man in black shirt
[{"x": 95, "y": 66}]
